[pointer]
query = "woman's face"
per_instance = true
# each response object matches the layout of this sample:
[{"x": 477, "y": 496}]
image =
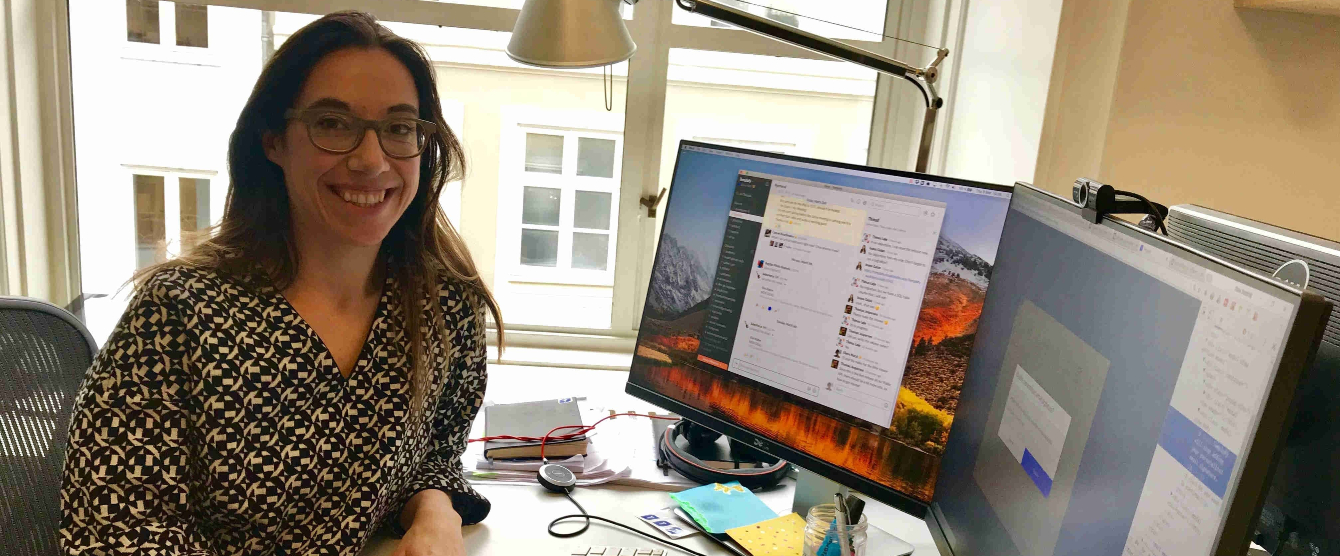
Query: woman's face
[{"x": 356, "y": 197}]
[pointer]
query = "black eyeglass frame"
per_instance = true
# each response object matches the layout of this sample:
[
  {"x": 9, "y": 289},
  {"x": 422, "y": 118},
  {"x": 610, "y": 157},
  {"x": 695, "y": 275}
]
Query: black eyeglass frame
[{"x": 310, "y": 115}]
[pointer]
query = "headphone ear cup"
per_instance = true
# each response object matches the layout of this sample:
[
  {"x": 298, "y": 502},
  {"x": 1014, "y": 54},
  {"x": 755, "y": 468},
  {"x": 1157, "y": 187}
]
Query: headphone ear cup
[
  {"x": 698, "y": 435},
  {"x": 686, "y": 464}
]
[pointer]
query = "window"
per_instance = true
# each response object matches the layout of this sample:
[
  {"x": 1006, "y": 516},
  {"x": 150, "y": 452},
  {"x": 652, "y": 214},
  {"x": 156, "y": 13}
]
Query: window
[
  {"x": 189, "y": 23},
  {"x": 150, "y": 221},
  {"x": 192, "y": 25},
  {"x": 142, "y": 21},
  {"x": 194, "y": 194},
  {"x": 568, "y": 189},
  {"x": 549, "y": 205},
  {"x": 186, "y": 207},
  {"x": 857, "y": 19}
]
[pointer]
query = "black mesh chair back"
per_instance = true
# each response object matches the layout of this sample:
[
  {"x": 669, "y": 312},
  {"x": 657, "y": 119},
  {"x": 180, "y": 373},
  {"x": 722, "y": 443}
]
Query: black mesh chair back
[{"x": 44, "y": 354}]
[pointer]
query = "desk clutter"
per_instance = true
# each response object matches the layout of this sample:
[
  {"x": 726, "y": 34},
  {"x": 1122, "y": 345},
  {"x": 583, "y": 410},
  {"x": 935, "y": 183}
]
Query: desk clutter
[
  {"x": 622, "y": 451},
  {"x": 619, "y": 452}
]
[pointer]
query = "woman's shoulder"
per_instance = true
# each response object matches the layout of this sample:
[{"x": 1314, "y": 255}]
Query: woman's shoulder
[
  {"x": 459, "y": 299},
  {"x": 185, "y": 283}
]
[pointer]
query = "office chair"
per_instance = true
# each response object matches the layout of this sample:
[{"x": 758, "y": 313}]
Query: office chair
[{"x": 44, "y": 354}]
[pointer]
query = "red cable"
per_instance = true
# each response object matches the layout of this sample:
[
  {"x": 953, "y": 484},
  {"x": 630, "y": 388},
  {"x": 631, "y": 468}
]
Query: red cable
[{"x": 581, "y": 429}]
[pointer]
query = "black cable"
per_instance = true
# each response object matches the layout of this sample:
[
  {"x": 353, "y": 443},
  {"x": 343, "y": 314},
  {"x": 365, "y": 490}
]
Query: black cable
[
  {"x": 924, "y": 95},
  {"x": 1153, "y": 210},
  {"x": 589, "y": 517}
]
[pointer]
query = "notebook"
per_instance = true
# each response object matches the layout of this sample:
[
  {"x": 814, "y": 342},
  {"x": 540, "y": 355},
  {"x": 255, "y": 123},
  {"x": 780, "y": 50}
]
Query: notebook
[{"x": 532, "y": 419}]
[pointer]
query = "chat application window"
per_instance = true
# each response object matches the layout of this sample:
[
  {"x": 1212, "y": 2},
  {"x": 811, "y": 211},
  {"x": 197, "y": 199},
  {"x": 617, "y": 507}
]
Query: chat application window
[{"x": 819, "y": 290}]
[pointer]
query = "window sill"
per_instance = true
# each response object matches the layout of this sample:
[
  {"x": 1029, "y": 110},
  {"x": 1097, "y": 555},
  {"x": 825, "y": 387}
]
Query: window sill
[
  {"x": 170, "y": 54},
  {"x": 565, "y": 358},
  {"x": 561, "y": 277}
]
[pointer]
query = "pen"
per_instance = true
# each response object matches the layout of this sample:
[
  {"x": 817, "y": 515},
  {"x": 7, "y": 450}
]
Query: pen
[{"x": 841, "y": 527}]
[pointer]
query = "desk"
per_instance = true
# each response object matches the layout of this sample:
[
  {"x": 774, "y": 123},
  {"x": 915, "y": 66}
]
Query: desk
[{"x": 521, "y": 513}]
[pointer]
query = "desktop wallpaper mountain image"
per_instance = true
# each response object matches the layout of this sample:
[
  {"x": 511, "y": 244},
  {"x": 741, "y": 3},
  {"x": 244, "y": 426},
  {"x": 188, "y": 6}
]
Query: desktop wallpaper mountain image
[
  {"x": 682, "y": 280},
  {"x": 903, "y": 454}
]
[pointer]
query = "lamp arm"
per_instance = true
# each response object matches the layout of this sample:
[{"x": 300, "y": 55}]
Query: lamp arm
[{"x": 923, "y": 78}]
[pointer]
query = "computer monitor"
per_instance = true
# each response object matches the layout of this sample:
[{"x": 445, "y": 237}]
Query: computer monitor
[
  {"x": 1302, "y": 511},
  {"x": 1127, "y": 394},
  {"x": 822, "y": 312}
]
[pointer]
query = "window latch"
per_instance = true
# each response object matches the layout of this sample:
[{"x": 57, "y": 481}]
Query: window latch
[{"x": 651, "y": 202}]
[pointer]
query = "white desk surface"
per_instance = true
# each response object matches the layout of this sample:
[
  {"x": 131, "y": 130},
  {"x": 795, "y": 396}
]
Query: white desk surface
[{"x": 521, "y": 513}]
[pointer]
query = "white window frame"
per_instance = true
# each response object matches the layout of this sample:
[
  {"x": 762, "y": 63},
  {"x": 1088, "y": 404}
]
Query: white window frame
[
  {"x": 517, "y": 122},
  {"x": 895, "y": 125},
  {"x": 171, "y": 200},
  {"x": 167, "y": 50}
]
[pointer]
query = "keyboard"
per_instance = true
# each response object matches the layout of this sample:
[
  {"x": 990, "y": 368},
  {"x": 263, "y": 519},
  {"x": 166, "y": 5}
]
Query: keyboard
[{"x": 616, "y": 551}]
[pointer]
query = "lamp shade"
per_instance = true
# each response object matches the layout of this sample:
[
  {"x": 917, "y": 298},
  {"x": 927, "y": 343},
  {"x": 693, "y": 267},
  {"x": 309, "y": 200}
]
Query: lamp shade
[{"x": 570, "y": 34}]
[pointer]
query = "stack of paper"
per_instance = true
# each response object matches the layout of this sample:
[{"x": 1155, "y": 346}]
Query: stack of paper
[{"x": 620, "y": 451}]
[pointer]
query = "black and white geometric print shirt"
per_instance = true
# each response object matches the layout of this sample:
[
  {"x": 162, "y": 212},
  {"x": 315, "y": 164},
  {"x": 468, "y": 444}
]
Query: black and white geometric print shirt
[{"x": 215, "y": 423}]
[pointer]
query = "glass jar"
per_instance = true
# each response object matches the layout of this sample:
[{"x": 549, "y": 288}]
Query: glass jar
[{"x": 818, "y": 525}]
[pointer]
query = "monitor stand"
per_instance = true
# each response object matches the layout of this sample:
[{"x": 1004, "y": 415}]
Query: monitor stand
[{"x": 812, "y": 490}]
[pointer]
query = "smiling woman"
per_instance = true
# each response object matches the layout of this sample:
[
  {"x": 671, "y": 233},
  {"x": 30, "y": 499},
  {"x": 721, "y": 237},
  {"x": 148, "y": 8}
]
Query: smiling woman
[{"x": 309, "y": 373}]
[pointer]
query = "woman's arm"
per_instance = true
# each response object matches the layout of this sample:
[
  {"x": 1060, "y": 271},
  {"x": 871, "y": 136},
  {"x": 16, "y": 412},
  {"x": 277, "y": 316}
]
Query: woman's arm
[
  {"x": 441, "y": 469},
  {"x": 127, "y": 480}
]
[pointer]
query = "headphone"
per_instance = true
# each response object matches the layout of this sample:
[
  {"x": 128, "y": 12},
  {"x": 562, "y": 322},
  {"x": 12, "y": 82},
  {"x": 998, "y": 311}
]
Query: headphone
[{"x": 686, "y": 464}]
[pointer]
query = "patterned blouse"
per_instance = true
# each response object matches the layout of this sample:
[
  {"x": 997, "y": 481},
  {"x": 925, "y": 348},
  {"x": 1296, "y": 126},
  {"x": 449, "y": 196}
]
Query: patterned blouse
[{"x": 216, "y": 423}]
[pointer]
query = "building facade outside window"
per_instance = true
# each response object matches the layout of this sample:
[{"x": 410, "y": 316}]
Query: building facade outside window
[{"x": 189, "y": 23}]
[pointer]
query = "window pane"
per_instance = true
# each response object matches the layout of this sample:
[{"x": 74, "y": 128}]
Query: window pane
[
  {"x": 142, "y": 21},
  {"x": 194, "y": 210},
  {"x": 852, "y": 19},
  {"x": 544, "y": 153},
  {"x": 590, "y": 251},
  {"x": 150, "y": 221},
  {"x": 540, "y": 205},
  {"x": 539, "y": 247},
  {"x": 592, "y": 210},
  {"x": 595, "y": 157},
  {"x": 192, "y": 25}
]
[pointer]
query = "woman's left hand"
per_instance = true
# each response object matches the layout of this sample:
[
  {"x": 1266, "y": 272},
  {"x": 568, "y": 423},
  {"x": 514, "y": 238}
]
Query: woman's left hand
[
  {"x": 435, "y": 529},
  {"x": 431, "y": 540}
]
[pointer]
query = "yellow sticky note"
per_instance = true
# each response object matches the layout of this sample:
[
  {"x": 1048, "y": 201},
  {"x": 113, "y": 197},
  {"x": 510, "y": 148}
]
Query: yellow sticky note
[{"x": 783, "y": 536}]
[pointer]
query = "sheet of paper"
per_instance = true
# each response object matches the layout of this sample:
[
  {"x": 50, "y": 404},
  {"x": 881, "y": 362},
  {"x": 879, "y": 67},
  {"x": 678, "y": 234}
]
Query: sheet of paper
[{"x": 1034, "y": 428}]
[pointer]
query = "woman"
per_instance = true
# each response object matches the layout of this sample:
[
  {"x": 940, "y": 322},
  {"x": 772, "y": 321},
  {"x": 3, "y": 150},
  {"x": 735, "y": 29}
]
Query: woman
[{"x": 310, "y": 373}]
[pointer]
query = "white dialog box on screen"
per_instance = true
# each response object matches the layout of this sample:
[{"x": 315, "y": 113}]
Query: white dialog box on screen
[{"x": 1034, "y": 428}]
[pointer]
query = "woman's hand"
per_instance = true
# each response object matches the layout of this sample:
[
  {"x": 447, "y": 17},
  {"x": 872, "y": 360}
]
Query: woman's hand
[{"x": 432, "y": 526}]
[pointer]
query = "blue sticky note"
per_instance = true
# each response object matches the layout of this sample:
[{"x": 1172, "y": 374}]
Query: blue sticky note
[{"x": 718, "y": 507}]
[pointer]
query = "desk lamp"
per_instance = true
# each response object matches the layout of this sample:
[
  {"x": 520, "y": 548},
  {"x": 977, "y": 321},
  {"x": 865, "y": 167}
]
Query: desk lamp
[{"x": 569, "y": 34}]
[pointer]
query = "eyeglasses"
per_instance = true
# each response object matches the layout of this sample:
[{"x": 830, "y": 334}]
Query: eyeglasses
[{"x": 340, "y": 132}]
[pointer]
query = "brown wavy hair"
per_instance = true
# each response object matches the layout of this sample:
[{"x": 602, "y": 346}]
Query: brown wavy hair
[{"x": 255, "y": 237}]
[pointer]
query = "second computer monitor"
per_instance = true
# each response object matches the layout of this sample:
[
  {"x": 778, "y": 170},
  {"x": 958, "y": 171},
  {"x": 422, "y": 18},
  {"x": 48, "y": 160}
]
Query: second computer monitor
[
  {"x": 823, "y": 312},
  {"x": 1127, "y": 395}
]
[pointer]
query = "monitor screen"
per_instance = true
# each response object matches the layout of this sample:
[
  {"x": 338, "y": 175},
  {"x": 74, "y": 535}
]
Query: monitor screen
[
  {"x": 1118, "y": 385},
  {"x": 822, "y": 311}
]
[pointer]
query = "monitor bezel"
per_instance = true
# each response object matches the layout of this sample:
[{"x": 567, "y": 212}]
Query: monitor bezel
[
  {"x": 1300, "y": 346},
  {"x": 894, "y": 498}
]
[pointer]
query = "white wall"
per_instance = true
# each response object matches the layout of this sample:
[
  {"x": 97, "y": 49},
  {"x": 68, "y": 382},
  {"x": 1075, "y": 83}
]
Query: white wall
[{"x": 1004, "y": 70}]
